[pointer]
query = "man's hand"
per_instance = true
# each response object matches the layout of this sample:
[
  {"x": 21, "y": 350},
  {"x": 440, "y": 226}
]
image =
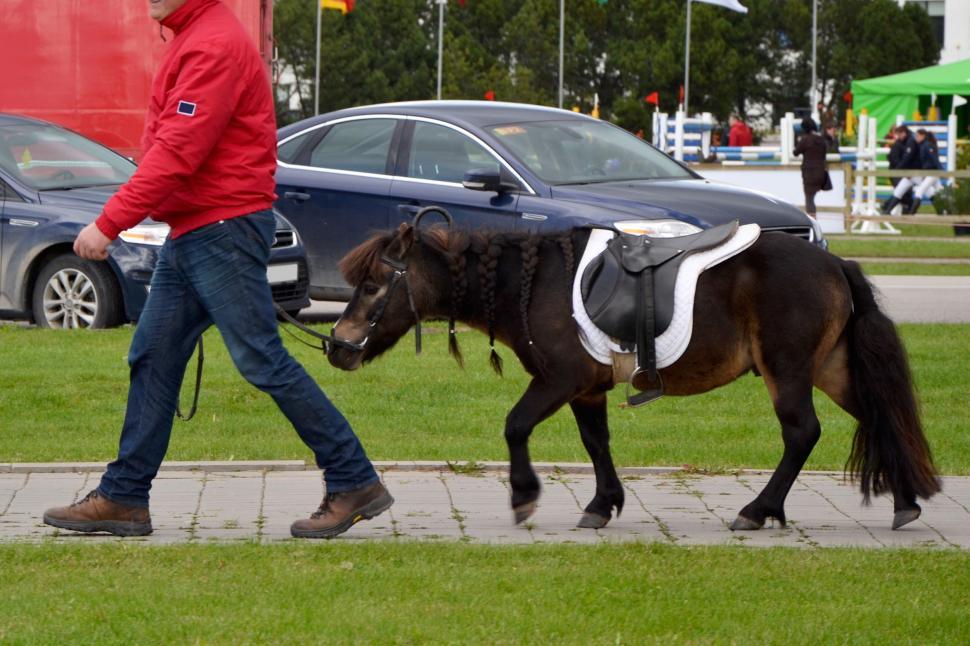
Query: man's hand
[{"x": 91, "y": 244}]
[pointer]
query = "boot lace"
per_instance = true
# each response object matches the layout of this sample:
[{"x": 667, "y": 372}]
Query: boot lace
[
  {"x": 324, "y": 507},
  {"x": 91, "y": 494}
]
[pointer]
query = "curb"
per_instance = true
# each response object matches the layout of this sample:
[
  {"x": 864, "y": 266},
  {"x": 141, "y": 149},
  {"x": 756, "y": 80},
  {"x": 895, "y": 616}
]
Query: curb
[{"x": 458, "y": 467}]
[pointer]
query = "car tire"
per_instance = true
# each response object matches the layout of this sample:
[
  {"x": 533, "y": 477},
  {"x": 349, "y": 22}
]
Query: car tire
[{"x": 71, "y": 292}]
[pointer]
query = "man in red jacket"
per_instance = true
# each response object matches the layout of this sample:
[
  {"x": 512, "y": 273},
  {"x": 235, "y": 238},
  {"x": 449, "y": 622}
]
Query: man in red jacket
[
  {"x": 740, "y": 134},
  {"x": 207, "y": 170}
]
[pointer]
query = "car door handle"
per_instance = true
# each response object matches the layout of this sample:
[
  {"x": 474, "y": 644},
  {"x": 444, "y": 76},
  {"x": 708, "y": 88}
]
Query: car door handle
[
  {"x": 409, "y": 208},
  {"x": 297, "y": 196}
]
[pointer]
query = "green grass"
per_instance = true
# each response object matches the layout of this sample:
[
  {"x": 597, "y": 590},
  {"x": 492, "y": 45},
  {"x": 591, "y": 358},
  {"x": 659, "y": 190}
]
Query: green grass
[
  {"x": 421, "y": 593},
  {"x": 856, "y": 247},
  {"x": 62, "y": 397},
  {"x": 914, "y": 269},
  {"x": 925, "y": 230}
]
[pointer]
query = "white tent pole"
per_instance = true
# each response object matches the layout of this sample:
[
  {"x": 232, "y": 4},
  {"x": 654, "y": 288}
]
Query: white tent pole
[
  {"x": 441, "y": 37},
  {"x": 562, "y": 35},
  {"x": 687, "y": 61},
  {"x": 316, "y": 83}
]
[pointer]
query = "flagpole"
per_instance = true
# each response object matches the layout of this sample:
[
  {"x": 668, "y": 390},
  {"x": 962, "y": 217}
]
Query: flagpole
[
  {"x": 441, "y": 35},
  {"x": 316, "y": 83},
  {"x": 811, "y": 93},
  {"x": 687, "y": 61},
  {"x": 562, "y": 31}
]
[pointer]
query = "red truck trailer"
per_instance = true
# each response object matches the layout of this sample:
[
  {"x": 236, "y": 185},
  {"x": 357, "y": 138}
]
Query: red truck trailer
[{"x": 87, "y": 64}]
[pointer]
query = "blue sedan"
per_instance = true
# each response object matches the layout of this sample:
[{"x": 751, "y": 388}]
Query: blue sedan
[
  {"x": 507, "y": 166},
  {"x": 53, "y": 182}
]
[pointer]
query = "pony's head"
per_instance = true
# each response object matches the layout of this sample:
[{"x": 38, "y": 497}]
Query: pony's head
[{"x": 381, "y": 309}]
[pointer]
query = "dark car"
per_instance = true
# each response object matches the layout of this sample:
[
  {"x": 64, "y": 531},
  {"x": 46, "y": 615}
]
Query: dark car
[
  {"x": 53, "y": 182},
  {"x": 492, "y": 165}
]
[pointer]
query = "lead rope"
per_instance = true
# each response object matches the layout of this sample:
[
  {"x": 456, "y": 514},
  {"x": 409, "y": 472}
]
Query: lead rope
[{"x": 198, "y": 387}]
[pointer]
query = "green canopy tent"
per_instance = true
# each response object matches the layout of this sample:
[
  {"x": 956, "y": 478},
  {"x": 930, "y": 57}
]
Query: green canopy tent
[{"x": 884, "y": 97}]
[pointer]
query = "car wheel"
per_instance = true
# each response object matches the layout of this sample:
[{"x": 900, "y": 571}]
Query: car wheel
[{"x": 74, "y": 293}]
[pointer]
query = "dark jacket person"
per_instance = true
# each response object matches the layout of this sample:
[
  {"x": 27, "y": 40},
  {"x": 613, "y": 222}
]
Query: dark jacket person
[{"x": 812, "y": 147}]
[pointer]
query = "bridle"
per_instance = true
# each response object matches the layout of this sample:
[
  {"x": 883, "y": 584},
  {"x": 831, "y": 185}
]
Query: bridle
[{"x": 328, "y": 342}]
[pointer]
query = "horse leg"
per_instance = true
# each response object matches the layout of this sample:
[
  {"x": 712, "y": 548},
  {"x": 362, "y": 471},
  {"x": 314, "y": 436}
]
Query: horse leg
[
  {"x": 800, "y": 430},
  {"x": 835, "y": 381},
  {"x": 541, "y": 399},
  {"x": 590, "y": 414}
]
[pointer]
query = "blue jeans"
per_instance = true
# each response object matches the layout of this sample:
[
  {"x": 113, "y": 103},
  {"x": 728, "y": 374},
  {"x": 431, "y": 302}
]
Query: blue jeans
[{"x": 217, "y": 275}]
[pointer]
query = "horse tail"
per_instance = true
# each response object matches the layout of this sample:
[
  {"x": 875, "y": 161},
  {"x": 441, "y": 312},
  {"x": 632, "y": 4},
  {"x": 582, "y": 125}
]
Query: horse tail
[{"x": 889, "y": 452}]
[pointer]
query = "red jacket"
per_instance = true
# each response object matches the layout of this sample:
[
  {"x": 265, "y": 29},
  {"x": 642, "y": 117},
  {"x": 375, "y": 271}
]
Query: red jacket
[
  {"x": 740, "y": 134},
  {"x": 209, "y": 147}
]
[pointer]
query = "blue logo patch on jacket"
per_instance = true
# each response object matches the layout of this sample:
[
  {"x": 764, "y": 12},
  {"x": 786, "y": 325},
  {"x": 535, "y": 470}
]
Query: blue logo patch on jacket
[{"x": 186, "y": 108}]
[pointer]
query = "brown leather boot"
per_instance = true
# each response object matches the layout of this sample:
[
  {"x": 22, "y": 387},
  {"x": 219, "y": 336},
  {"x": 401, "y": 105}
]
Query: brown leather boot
[
  {"x": 340, "y": 511},
  {"x": 95, "y": 513}
]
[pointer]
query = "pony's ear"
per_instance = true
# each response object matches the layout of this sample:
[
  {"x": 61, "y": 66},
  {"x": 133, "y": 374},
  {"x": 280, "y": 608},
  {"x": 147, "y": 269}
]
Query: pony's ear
[{"x": 402, "y": 241}]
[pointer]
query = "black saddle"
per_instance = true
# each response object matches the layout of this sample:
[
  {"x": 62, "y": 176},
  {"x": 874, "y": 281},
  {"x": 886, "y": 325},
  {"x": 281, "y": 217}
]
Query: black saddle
[{"x": 628, "y": 292}]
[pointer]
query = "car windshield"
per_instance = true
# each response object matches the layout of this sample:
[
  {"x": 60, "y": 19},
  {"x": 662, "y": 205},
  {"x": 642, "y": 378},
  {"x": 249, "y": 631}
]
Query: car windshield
[
  {"x": 47, "y": 158},
  {"x": 584, "y": 152}
]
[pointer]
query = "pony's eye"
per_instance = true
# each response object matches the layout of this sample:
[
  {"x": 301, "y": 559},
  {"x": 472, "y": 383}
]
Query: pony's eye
[{"x": 370, "y": 289}]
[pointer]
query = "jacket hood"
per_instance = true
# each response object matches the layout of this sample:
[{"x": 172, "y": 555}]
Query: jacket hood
[{"x": 693, "y": 200}]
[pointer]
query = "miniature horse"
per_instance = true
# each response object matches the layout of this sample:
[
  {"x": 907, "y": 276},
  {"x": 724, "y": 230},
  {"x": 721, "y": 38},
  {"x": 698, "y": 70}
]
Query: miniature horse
[{"x": 784, "y": 309}]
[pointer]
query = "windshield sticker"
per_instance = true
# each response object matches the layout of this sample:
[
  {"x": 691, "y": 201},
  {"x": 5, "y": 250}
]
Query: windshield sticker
[{"x": 509, "y": 130}]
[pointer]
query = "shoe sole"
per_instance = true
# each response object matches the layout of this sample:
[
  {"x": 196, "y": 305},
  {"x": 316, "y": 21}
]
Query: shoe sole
[
  {"x": 374, "y": 508},
  {"x": 115, "y": 527}
]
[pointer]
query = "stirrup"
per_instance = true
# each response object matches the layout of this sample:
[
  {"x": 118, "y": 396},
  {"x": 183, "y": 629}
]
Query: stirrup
[{"x": 641, "y": 397}]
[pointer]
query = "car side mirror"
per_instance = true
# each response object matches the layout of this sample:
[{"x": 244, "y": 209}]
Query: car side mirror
[{"x": 487, "y": 179}]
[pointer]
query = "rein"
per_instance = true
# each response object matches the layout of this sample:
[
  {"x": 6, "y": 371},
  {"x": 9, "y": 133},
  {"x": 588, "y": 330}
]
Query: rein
[{"x": 328, "y": 341}]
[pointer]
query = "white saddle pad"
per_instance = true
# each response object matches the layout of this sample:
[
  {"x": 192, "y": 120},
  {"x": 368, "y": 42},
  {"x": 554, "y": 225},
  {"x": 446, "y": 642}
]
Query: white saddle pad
[{"x": 672, "y": 343}]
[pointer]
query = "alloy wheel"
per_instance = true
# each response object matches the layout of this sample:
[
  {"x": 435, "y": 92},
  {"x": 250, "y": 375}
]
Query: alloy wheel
[{"x": 70, "y": 300}]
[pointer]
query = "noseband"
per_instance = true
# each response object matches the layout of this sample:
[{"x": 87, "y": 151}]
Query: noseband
[{"x": 400, "y": 273}]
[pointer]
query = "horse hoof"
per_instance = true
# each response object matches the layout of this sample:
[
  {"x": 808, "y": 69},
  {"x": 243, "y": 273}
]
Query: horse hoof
[
  {"x": 904, "y": 517},
  {"x": 524, "y": 511},
  {"x": 592, "y": 521},
  {"x": 745, "y": 524}
]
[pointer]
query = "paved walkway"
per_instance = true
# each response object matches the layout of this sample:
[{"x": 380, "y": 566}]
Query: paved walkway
[{"x": 435, "y": 502}]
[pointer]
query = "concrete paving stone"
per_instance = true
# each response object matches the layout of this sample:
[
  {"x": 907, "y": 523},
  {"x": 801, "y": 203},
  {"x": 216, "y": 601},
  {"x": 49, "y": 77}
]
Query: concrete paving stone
[{"x": 259, "y": 505}]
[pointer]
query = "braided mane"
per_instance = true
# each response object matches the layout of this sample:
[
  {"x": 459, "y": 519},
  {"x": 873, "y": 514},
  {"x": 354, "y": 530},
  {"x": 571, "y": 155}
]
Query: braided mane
[{"x": 454, "y": 246}]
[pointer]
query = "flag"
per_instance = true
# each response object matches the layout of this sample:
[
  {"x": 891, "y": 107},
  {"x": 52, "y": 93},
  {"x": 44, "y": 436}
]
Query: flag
[
  {"x": 733, "y": 5},
  {"x": 958, "y": 101},
  {"x": 490, "y": 95},
  {"x": 681, "y": 99},
  {"x": 654, "y": 98},
  {"x": 343, "y": 6}
]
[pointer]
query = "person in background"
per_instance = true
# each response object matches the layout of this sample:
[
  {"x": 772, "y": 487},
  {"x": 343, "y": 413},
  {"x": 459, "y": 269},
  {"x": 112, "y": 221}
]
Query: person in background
[
  {"x": 903, "y": 154},
  {"x": 831, "y": 137},
  {"x": 740, "y": 134},
  {"x": 715, "y": 143},
  {"x": 929, "y": 157},
  {"x": 811, "y": 146}
]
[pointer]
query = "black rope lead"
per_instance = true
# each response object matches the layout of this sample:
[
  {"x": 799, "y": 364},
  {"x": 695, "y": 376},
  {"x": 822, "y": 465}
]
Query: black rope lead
[{"x": 198, "y": 387}]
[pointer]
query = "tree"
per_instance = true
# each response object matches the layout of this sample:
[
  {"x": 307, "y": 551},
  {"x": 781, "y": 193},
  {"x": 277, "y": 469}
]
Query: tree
[{"x": 386, "y": 50}]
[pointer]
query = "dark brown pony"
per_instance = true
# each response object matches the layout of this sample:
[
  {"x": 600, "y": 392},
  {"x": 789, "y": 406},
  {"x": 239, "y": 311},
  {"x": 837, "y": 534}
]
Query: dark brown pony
[{"x": 784, "y": 309}]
